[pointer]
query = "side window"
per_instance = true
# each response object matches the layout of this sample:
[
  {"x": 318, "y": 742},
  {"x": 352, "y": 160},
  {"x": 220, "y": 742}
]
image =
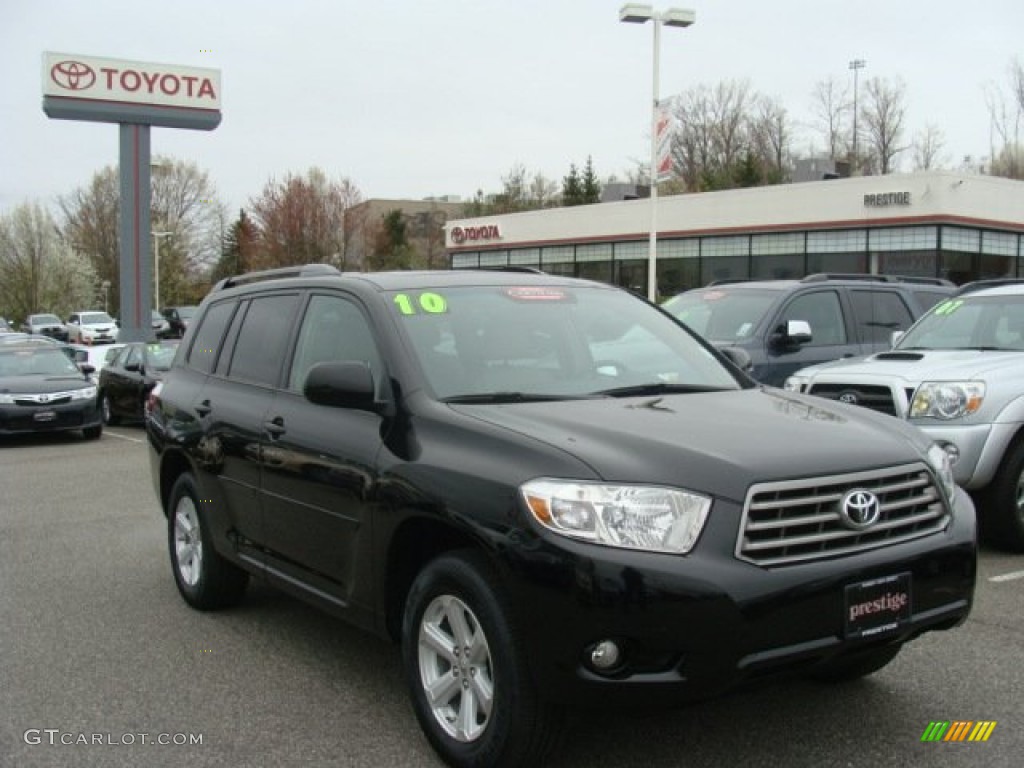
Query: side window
[
  {"x": 821, "y": 309},
  {"x": 263, "y": 339},
  {"x": 333, "y": 329},
  {"x": 207, "y": 341},
  {"x": 134, "y": 356},
  {"x": 879, "y": 313}
]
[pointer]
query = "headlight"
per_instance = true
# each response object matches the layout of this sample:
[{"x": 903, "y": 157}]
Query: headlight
[
  {"x": 796, "y": 383},
  {"x": 6, "y": 399},
  {"x": 940, "y": 462},
  {"x": 87, "y": 393},
  {"x": 947, "y": 399},
  {"x": 632, "y": 516}
]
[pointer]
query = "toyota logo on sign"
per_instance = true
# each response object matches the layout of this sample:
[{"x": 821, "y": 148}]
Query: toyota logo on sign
[
  {"x": 73, "y": 75},
  {"x": 849, "y": 397},
  {"x": 860, "y": 509}
]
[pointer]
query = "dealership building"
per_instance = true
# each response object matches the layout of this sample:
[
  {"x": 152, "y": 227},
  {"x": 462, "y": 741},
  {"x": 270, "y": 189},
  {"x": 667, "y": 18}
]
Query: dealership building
[{"x": 931, "y": 224}]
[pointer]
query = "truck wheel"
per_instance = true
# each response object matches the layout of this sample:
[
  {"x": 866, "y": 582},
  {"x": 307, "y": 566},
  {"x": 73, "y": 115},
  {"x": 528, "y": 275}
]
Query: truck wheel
[
  {"x": 1002, "y": 509},
  {"x": 467, "y": 671},
  {"x": 856, "y": 666},
  {"x": 204, "y": 578}
]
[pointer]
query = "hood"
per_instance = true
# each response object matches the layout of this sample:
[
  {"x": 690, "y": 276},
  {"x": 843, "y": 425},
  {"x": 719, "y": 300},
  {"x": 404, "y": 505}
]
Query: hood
[
  {"x": 34, "y": 385},
  {"x": 915, "y": 366},
  {"x": 718, "y": 443}
]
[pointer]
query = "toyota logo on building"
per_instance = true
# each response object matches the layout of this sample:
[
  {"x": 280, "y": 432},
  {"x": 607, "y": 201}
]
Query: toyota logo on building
[
  {"x": 849, "y": 397},
  {"x": 860, "y": 509},
  {"x": 483, "y": 232},
  {"x": 72, "y": 75}
]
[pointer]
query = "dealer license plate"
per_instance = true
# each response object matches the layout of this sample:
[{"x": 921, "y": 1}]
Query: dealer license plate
[{"x": 878, "y": 606}]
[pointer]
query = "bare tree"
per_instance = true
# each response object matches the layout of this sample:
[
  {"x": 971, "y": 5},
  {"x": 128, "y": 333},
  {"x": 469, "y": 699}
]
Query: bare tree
[
  {"x": 91, "y": 227},
  {"x": 928, "y": 143},
  {"x": 39, "y": 270},
  {"x": 1006, "y": 113},
  {"x": 882, "y": 114},
  {"x": 772, "y": 137},
  {"x": 832, "y": 110},
  {"x": 301, "y": 220}
]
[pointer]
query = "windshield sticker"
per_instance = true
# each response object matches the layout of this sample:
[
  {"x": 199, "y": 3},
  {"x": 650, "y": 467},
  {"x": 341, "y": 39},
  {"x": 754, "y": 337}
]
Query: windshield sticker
[
  {"x": 714, "y": 295},
  {"x": 521, "y": 293},
  {"x": 429, "y": 302},
  {"x": 949, "y": 307}
]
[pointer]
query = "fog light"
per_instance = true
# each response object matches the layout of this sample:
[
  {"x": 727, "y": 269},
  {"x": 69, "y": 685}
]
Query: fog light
[
  {"x": 605, "y": 655},
  {"x": 952, "y": 451}
]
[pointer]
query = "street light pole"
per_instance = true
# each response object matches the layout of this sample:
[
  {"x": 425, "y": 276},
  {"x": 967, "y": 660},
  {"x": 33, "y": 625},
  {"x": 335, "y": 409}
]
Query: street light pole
[
  {"x": 156, "y": 265},
  {"x": 634, "y": 13},
  {"x": 856, "y": 65}
]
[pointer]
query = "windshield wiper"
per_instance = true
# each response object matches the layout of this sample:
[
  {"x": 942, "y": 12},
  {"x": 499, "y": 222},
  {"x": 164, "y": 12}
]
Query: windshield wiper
[
  {"x": 511, "y": 397},
  {"x": 656, "y": 388}
]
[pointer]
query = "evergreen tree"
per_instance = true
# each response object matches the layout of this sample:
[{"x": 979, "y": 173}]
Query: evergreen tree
[
  {"x": 572, "y": 188},
  {"x": 590, "y": 187}
]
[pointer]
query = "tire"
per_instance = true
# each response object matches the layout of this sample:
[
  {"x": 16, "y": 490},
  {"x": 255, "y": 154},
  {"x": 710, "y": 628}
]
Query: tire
[
  {"x": 92, "y": 433},
  {"x": 486, "y": 711},
  {"x": 856, "y": 666},
  {"x": 205, "y": 579},
  {"x": 109, "y": 417},
  {"x": 1002, "y": 504}
]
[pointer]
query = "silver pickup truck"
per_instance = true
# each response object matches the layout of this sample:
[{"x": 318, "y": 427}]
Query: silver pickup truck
[{"x": 957, "y": 374}]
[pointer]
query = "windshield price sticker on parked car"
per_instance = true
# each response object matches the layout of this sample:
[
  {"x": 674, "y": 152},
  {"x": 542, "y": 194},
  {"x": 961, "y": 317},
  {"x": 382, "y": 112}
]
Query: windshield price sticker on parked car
[
  {"x": 949, "y": 307},
  {"x": 877, "y": 606},
  {"x": 428, "y": 301},
  {"x": 538, "y": 294}
]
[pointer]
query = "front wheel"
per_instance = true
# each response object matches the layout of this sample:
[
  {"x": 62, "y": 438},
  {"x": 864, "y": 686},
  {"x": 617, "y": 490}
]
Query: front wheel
[
  {"x": 466, "y": 668},
  {"x": 204, "y": 577},
  {"x": 1002, "y": 505}
]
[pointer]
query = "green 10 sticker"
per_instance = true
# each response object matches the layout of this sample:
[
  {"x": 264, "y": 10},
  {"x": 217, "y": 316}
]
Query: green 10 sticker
[{"x": 431, "y": 303}]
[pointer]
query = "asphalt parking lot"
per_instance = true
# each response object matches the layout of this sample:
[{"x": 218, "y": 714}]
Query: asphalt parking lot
[{"x": 102, "y": 661}]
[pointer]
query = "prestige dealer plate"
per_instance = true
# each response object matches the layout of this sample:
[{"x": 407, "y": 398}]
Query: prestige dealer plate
[{"x": 877, "y": 606}]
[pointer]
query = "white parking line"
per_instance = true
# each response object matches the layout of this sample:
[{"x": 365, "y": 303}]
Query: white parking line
[
  {"x": 123, "y": 437},
  {"x": 1008, "y": 576}
]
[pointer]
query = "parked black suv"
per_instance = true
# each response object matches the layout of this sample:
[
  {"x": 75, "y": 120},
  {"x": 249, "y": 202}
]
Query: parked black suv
[
  {"x": 549, "y": 491},
  {"x": 785, "y": 325}
]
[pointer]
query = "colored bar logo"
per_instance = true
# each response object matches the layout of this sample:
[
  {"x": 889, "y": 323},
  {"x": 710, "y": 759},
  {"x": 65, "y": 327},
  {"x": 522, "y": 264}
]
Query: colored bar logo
[{"x": 959, "y": 730}]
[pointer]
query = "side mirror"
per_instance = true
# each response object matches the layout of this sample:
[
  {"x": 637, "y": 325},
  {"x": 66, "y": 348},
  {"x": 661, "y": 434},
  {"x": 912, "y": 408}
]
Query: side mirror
[
  {"x": 341, "y": 385},
  {"x": 793, "y": 333},
  {"x": 133, "y": 367}
]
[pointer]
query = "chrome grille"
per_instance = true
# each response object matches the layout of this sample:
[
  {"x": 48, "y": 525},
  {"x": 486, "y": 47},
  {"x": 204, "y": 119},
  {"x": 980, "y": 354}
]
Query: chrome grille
[
  {"x": 869, "y": 396},
  {"x": 799, "y": 520}
]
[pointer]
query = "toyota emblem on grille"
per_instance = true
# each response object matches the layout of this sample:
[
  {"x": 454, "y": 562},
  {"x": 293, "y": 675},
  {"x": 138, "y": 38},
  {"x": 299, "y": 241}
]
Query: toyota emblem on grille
[
  {"x": 43, "y": 399},
  {"x": 73, "y": 75},
  {"x": 860, "y": 509},
  {"x": 848, "y": 397}
]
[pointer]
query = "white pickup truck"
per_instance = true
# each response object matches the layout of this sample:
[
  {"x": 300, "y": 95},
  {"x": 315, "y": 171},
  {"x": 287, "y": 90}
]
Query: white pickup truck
[{"x": 957, "y": 374}]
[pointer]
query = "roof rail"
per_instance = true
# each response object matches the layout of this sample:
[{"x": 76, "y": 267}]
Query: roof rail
[
  {"x": 991, "y": 282},
  {"x": 529, "y": 270},
  {"x": 301, "y": 270},
  {"x": 821, "y": 277},
  {"x": 729, "y": 281}
]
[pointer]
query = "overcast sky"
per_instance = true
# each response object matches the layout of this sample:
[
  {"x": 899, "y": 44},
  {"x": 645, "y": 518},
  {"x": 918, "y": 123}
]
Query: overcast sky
[{"x": 413, "y": 98}]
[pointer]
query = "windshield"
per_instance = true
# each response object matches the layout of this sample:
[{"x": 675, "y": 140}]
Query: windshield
[
  {"x": 721, "y": 314},
  {"x": 96, "y": 318},
  {"x": 42, "y": 319},
  {"x": 526, "y": 342},
  {"x": 970, "y": 322},
  {"x": 36, "y": 361}
]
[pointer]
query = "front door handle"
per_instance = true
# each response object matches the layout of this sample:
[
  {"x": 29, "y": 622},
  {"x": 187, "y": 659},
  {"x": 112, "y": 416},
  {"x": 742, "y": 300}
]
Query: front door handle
[
  {"x": 204, "y": 408},
  {"x": 274, "y": 427}
]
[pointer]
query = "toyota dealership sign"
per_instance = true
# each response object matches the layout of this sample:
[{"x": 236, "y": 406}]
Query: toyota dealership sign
[{"x": 113, "y": 90}]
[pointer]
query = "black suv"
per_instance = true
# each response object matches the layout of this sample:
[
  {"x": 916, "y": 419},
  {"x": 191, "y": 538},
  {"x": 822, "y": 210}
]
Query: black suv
[
  {"x": 785, "y": 325},
  {"x": 549, "y": 491}
]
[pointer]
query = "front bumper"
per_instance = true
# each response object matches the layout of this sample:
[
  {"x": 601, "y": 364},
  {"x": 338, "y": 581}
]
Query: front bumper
[
  {"x": 698, "y": 626},
  {"x": 28, "y": 419}
]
